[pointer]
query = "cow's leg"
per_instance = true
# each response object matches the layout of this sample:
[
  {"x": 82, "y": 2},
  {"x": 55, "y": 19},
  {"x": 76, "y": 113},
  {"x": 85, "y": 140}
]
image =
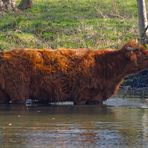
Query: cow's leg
[
  {"x": 17, "y": 93},
  {"x": 17, "y": 87},
  {"x": 4, "y": 97}
]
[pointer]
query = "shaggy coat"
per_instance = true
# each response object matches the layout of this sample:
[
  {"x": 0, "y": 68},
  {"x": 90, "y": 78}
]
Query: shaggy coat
[{"x": 78, "y": 75}]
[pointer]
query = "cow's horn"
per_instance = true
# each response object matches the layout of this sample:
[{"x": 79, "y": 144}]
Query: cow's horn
[{"x": 130, "y": 48}]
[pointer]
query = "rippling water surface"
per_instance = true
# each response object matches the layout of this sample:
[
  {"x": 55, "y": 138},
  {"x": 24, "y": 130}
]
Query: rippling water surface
[{"x": 118, "y": 123}]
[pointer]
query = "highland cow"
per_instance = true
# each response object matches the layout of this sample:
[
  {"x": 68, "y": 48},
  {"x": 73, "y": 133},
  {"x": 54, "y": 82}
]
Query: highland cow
[{"x": 83, "y": 76}]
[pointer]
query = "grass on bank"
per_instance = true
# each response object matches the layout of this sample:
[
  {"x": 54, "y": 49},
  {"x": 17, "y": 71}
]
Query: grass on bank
[{"x": 71, "y": 24}]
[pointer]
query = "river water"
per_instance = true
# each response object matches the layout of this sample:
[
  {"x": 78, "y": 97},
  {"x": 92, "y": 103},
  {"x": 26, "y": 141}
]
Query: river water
[{"x": 118, "y": 123}]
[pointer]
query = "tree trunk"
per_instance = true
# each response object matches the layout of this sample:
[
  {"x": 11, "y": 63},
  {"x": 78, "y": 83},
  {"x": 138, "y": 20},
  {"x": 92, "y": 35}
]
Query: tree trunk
[
  {"x": 25, "y": 4},
  {"x": 6, "y": 5},
  {"x": 143, "y": 23}
]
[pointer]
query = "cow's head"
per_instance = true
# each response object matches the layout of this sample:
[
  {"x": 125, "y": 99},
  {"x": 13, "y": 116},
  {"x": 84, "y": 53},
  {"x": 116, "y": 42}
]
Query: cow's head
[{"x": 136, "y": 55}]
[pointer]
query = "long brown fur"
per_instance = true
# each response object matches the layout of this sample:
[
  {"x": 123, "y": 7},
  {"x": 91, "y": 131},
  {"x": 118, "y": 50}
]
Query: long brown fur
[{"x": 79, "y": 75}]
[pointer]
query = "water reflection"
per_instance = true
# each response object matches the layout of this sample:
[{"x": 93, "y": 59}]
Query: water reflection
[
  {"x": 110, "y": 125},
  {"x": 145, "y": 126}
]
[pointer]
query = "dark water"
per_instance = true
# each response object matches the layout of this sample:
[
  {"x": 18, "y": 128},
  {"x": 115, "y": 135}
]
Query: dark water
[{"x": 118, "y": 123}]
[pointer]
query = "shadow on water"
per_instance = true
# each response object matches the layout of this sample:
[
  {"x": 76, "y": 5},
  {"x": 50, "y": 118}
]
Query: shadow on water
[{"x": 117, "y": 123}]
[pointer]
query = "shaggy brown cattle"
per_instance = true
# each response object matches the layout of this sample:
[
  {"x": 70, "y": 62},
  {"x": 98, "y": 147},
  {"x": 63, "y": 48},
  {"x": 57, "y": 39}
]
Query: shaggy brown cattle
[{"x": 82, "y": 75}]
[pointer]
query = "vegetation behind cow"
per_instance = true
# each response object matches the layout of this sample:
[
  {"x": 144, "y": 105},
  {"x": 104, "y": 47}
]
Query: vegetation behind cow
[{"x": 70, "y": 24}]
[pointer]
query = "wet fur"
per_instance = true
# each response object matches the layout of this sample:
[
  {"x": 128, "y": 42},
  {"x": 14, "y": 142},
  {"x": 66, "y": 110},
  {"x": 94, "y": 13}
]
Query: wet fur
[{"x": 79, "y": 75}]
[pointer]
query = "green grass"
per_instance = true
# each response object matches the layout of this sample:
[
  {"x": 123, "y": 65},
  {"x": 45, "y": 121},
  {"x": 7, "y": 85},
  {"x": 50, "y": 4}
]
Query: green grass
[{"x": 71, "y": 24}]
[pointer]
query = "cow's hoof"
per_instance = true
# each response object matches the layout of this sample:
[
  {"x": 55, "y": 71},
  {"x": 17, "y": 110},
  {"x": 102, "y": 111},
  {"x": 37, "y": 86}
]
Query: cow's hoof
[
  {"x": 94, "y": 102},
  {"x": 80, "y": 103}
]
